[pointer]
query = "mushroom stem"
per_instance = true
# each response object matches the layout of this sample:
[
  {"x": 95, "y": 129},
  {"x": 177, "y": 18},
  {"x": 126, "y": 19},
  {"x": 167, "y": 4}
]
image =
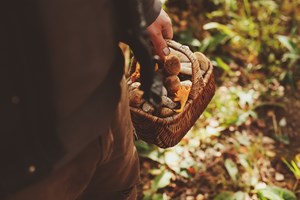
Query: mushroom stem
[{"x": 186, "y": 70}]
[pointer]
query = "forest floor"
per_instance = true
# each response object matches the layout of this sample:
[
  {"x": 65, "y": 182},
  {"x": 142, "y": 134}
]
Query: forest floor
[
  {"x": 246, "y": 144},
  {"x": 241, "y": 159}
]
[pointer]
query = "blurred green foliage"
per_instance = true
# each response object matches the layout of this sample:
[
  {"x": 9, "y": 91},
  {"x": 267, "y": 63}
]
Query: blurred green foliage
[
  {"x": 255, "y": 48},
  {"x": 257, "y": 35}
]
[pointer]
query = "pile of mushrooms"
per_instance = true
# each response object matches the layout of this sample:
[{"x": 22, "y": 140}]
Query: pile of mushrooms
[{"x": 177, "y": 70}]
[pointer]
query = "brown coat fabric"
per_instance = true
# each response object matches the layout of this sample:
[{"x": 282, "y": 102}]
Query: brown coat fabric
[
  {"x": 82, "y": 38},
  {"x": 59, "y": 81},
  {"x": 107, "y": 169}
]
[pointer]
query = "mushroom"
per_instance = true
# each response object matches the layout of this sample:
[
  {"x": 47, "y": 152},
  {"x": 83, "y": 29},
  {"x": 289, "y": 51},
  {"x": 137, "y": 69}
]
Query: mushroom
[
  {"x": 186, "y": 70},
  {"x": 134, "y": 85},
  {"x": 203, "y": 61},
  {"x": 187, "y": 83},
  {"x": 135, "y": 97},
  {"x": 166, "y": 112},
  {"x": 167, "y": 102},
  {"x": 164, "y": 91},
  {"x": 186, "y": 65},
  {"x": 172, "y": 65},
  {"x": 172, "y": 84},
  {"x": 148, "y": 108}
]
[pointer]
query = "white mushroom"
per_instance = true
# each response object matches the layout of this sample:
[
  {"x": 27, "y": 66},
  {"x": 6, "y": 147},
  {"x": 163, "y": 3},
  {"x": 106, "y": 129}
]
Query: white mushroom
[
  {"x": 164, "y": 91},
  {"x": 166, "y": 101},
  {"x": 203, "y": 60},
  {"x": 166, "y": 112},
  {"x": 134, "y": 85},
  {"x": 186, "y": 70},
  {"x": 135, "y": 98},
  {"x": 187, "y": 83},
  {"x": 148, "y": 108},
  {"x": 186, "y": 64}
]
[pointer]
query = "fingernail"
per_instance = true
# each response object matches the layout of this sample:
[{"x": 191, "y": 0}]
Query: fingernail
[{"x": 166, "y": 51}]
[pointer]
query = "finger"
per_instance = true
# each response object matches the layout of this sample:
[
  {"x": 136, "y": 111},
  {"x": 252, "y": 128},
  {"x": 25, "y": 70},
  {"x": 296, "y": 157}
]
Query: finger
[
  {"x": 160, "y": 45},
  {"x": 167, "y": 30}
]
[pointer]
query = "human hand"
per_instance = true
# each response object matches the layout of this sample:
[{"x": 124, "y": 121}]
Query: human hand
[{"x": 160, "y": 30}]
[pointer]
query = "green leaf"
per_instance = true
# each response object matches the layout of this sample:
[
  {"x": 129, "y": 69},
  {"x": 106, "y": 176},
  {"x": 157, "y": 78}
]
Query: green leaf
[
  {"x": 239, "y": 195},
  {"x": 222, "y": 64},
  {"x": 282, "y": 138},
  {"x": 224, "y": 196},
  {"x": 242, "y": 139},
  {"x": 194, "y": 42},
  {"x": 157, "y": 196},
  {"x": 285, "y": 41},
  {"x": 221, "y": 27},
  {"x": 247, "y": 7},
  {"x": 245, "y": 116},
  {"x": 162, "y": 180},
  {"x": 293, "y": 167},
  {"x": 269, "y": 195},
  {"x": 228, "y": 195},
  {"x": 244, "y": 161},
  {"x": 231, "y": 169},
  {"x": 142, "y": 146},
  {"x": 212, "y": 43},
  {"x": 147, "y": 195},
  {"x": 276, "y": 193}
]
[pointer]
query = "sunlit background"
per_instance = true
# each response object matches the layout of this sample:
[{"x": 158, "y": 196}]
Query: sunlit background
[{"x": 246, "y": 145}]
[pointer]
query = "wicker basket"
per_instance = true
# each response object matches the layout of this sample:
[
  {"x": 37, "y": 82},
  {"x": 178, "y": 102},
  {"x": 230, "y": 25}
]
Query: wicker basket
[{"x": 167, "y": 132}]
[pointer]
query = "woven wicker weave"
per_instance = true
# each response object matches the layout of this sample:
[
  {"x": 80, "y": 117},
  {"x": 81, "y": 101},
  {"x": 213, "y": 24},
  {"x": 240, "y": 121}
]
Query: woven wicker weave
[{"x": 167, "y": 132}]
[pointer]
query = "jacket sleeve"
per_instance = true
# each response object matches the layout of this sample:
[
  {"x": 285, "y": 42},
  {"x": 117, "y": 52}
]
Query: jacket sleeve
[{"x": 151, "y": 9}]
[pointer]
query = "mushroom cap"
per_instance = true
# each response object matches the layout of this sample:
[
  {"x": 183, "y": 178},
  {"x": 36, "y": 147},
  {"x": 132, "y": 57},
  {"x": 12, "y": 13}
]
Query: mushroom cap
[
  {"x": 172, "y": 65},
  {"x": 203, "y": 61},
  {"x": 136, "y": 97},
  {"x": 134, "y": 85}
]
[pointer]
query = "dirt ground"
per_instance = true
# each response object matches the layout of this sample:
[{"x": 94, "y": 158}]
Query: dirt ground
[{"x": 280, "y": 118}]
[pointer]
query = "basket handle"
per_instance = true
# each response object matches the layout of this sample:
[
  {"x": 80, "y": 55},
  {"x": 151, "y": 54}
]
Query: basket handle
[{"x": 197, "y": 79}]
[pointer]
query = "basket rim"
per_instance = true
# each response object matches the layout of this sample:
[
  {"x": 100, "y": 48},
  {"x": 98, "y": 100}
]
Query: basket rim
[
  {"x": 168, "y": 120},
  {"x": 198, "y": 82}
]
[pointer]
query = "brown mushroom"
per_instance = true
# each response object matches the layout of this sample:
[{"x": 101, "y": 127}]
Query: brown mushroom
[
  {"x": 172, "y": 84},
  {"x": 172, "y": 65}
]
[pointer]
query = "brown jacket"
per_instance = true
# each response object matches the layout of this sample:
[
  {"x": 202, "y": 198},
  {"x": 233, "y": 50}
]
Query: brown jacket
[{"x": 59, "y": 81}]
